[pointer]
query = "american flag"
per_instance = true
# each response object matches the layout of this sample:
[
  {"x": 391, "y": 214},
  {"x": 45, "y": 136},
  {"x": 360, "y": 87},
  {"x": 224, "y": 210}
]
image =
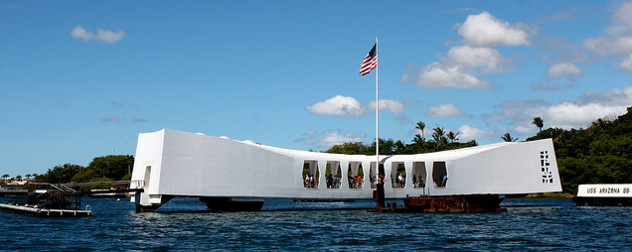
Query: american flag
[{"x": 370, "y": 62}]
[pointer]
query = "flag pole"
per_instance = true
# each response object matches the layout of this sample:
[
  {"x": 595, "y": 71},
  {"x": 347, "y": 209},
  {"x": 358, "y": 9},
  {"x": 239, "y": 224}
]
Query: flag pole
[{"x": 377, "y": 116}]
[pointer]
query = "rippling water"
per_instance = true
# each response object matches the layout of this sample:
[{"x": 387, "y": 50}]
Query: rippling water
[{"x": 529, "y": 224}]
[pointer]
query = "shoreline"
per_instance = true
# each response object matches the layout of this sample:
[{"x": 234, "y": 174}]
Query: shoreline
[{"x": 556, "y": 195}]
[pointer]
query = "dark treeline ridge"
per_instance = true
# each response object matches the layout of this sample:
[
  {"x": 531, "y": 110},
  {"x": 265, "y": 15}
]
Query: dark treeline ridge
[{"x": 107, "y": 168}]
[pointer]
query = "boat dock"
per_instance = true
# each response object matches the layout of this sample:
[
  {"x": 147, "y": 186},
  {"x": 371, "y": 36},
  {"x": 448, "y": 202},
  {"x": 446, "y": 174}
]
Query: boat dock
[
  {"x": 61, "y": 200},
  {"x": 43, "y": 212}
]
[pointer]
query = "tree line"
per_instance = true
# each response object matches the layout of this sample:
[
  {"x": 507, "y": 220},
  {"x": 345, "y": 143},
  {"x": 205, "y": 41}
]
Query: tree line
[
  {"x": 106, "y": 168},
  {"x": 440, "y": 140}
]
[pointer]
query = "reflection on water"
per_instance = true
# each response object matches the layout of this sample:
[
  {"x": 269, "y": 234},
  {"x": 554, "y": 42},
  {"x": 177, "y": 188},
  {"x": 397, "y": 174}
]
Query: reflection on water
[{"x": 184, "y": 224}]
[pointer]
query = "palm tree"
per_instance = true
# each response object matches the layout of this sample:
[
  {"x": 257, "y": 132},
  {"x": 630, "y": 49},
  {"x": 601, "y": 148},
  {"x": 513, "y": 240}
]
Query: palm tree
[
  {"x": 600, "y": 124},
  {"x": 437, "y": 136},
  {"x": 419, "y": 140},
  {"x": 507, "y": 137},
  {"x": 421, "y": 126},
  {"x": 453, "y": 136},
  {"x": 439, "y": 131},
  {"x": 5, "y": 176},
  {"x": 537, "y": 121}
]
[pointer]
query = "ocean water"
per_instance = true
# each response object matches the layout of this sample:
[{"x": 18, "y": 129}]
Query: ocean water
[{"x": 183, "y": 224}]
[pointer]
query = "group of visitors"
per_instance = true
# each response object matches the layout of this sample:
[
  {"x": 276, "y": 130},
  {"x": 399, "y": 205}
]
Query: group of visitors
[
  {"x": 418, "y": 182},
  {"x": 381, "y": 180},
  {"x": 356, "y": 181},
  {"x": 310, "y": 181},
  {"x": 400, "y": 181},
  {"x": 333, "y": 181}
]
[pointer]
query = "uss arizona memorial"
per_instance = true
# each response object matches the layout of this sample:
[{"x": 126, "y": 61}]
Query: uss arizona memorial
[{"x": 226, "y": 173}]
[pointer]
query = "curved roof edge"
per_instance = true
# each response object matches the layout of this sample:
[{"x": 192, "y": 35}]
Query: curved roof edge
[{"x": 448, "y": 154}]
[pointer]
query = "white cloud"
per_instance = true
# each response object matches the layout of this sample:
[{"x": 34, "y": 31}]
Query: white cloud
[
  {"x": 558, "y": 49},
  {"x": 106, "y": 36},
  {"x": 604, "y": 45},
  {"x": 338, "y": 106},
  {"x": 81, "y": 33},
  {"x": 349, "y": 106},
  {"x": 485, "y": 30},
  {"x": 139, "y": 120},
  {"x": 623, "y": 18},
  {"x": 436, "y": 75},
  {"x": 462, "y": 64},
  {"x": 405, "y": 78},
  {"x": 468, "y": 133},
  {"x": 617, "y": 37},
  {"x": 328, "y": 139},
  {"x": 111, "y": 119},
  {"x": 560, "y": 70},
  {"x": 489, "y": 59},
  {"x": 539, "y": 86},
  {"x": 332, "y": 138},
  {"x": 523, "y": 129},
  {"x": 404, "y": 119},
  {"x": 513, "y": 110},
  {"x": 394, "y": 106},
  {"x": 615, "y": 97},
  {"x": 568, "y": 115},
  {"x": 444, "y": 110},
  {"x": 626, "y": 63},
  {"x": 578, "y": 113}
]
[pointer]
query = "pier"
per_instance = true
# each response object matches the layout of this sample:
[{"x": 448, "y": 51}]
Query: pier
[
  {"x": 60, "y": 200},
  {"x": 44, "y": 212}
]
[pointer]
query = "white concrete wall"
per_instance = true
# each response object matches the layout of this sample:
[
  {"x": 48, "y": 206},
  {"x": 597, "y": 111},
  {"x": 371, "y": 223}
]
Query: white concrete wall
[
  {"x": 186, "y": 164},
  {"x": 148, "y": 153}
]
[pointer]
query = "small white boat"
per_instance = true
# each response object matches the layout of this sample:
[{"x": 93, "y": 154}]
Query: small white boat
[{"x": 603, "y": 195}]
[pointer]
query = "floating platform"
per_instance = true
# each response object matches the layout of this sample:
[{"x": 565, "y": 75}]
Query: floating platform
[
  {"x": 447, "y": 204},
  {"x": 43, "y": 212},
  {"x": 108, "y": 193},
  {"x": 603, "y": 195}
]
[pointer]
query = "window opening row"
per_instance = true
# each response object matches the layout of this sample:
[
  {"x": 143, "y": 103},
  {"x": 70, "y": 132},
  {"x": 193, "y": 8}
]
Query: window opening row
[{"x": 355, "y": 174}]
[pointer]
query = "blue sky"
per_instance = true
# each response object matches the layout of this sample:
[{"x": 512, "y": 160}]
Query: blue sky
[{"x": 81, "y": 79}]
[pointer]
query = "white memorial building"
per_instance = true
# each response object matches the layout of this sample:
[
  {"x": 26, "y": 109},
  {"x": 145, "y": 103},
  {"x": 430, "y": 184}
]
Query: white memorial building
[{"x": 225, "y": 173}]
